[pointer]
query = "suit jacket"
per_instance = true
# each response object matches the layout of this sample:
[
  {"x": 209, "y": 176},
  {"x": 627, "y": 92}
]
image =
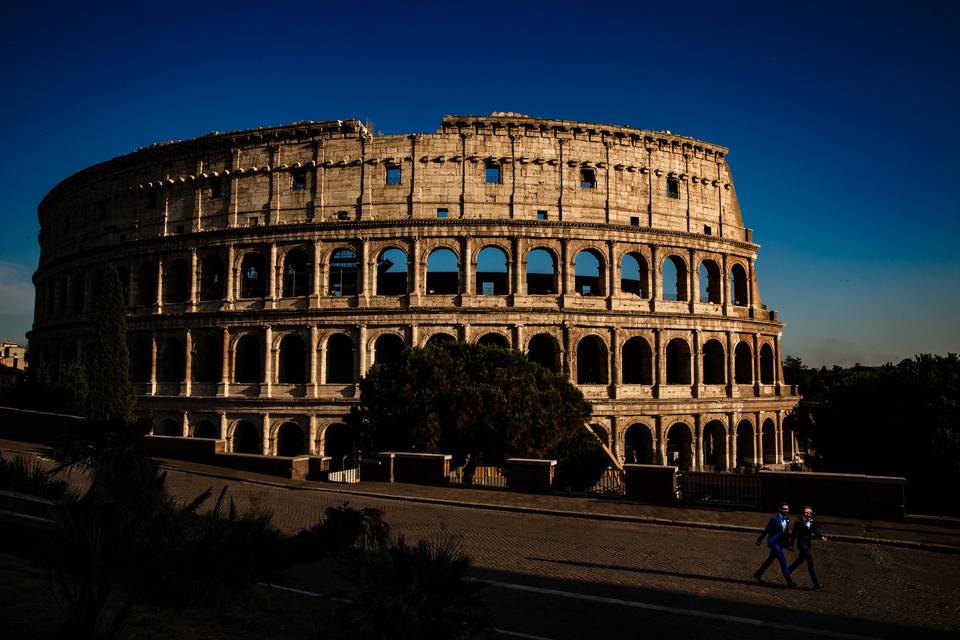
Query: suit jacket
[
  {"x": 775, "y": 532},
  {"x": 802, "y": 536}
]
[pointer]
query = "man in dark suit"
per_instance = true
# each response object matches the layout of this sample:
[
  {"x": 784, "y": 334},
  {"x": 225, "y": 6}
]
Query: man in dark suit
[
  {"x": 804, "y": 533},
  {"x": 777, "y": 533}
]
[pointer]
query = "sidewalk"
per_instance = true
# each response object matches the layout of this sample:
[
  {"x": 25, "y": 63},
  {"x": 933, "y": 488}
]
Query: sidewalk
[{"x": 934, "y": 534}]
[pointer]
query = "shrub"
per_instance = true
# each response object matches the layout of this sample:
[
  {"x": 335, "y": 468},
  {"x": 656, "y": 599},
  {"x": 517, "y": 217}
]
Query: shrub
[
  {"x": 342, "y": 530},
  {"x": 29, "y": 476}
]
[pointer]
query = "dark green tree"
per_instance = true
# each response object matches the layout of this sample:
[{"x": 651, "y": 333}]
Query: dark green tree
[
  {"x": 478, "y": 403},
  {"x": 111, "y": 395}
]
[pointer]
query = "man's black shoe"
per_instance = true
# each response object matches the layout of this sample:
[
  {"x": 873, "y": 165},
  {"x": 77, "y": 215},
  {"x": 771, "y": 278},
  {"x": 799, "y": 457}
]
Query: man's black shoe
[{"x": 758, "y": 578}]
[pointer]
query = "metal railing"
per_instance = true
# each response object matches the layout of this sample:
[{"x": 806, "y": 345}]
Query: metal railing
[
  {"x": 482, "y": 477},
  {"x": 609, "y": 484},
  {"x": 728, "y": 489}
]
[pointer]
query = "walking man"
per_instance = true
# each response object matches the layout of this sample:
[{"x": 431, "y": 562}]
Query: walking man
[
  {"x": 804, "y": 533},
  {"x": 777, "y": 533}
]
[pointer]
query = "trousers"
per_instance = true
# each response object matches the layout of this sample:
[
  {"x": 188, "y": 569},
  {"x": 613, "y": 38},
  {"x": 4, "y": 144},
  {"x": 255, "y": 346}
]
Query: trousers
[
  {"x": 776, "y": 553},
  {"x": 806, "y": 555}
]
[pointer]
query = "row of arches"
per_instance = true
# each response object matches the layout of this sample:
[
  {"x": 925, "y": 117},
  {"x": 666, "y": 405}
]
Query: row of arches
[{"x": 247, "y": 362}]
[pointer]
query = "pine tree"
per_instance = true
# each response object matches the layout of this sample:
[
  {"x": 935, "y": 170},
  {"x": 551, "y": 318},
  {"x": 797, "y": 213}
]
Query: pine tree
[{"x": 111, "y": 395}]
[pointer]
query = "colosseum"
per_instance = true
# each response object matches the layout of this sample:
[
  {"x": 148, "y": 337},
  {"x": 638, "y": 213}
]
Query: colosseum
[{"x": 267, "y": 270}]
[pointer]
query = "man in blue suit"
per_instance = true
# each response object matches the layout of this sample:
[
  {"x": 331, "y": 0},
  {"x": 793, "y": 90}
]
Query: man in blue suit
[{"x": 777, "y": 533}]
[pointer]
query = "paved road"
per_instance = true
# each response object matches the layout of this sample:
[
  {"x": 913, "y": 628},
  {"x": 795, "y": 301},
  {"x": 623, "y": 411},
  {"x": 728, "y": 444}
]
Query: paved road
[{"x": 563, "y": 578}]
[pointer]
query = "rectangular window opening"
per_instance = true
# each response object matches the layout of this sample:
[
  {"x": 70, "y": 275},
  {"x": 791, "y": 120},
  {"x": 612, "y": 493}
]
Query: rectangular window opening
[
  {"x": 488, "y": 288},
  {"x": 542, "y": 215},
  {"x": 299, "y": 180},
  {"x": 707, "y": 230},
  {"x": 493, "y": 174},
  {"x": 393, "y": 175},
  {"x": 635, "y": 221},
  {"x": 216, "y": 189},
  {"x": 253, "y": 221},
  {"x": 152, "y": 198},
  {"x": 588, "y": 179},
  {"x": 343, "y": 215},
  {"x": 442, "y": 213},
  {"x": 673, "y": 188}
]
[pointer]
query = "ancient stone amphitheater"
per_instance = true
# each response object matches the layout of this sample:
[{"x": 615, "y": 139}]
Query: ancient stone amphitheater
[{"x": 267, "y": 270}]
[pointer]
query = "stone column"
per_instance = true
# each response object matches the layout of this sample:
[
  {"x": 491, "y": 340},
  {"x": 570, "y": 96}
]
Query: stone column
[
  {"x": 756, "y": 364},
  {"x": 366, "y": 272},
  {"x": 725, "y": 287},
  {"x": 758, "y": 444},
  {"x": 616, "y": 366},
  {"x": 655, "y": 283},
  {"x": 731, "y": 367},
  {"x": 416, "y": 287},
  {"x": 750, "y": 292},
  {"x": 158, "y": 301},
  {"x": 515, "y": 265},
  {"x": 361, "y": 350},
  {"x": 564, "y": 268},
  {"x": 267, "y": 440},
  {"x": 272, "y": 279},
  {"x": 731, "y": 452},
  {"x": 312, "y": 351},
  {"x": 567, "y": 360},
  {"x": 229, "y": 274},
  {"x": 693, "y": 295},
  {"x": 194, "y": 280},
  {"x": 612, "y": 289},
  {"x": 312, "y": 435},
  {"x": 223, "y": 425},
  {"x": 224, "y": 389},
  {"x": 518, "y": 337},
  {"x": 661, "y": 443},
  {"x": 268, "y": 356},
  {"x": 698, "y": 442},
  {"x": 185, "y": 425},
  {"x": 468, "y": 268},
  {"x": 658, "y": 374},
  {"x": 185, "y": 388},
  {"x": 153, "y": 364},
  {"x": 779, "y": 436},
  {"x": 316, "y": 283},
  {"x": 697, "y": 365}
]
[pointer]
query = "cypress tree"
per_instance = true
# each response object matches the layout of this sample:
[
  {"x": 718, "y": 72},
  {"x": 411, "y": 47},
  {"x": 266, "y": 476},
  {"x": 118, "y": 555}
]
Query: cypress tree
[{"x": 111, "y": 395}]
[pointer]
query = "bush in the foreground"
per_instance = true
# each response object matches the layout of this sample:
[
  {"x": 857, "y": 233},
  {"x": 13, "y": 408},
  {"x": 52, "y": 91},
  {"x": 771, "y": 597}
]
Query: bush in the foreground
[
  {"x": 30, "y": 477},
  {"x": 342, "y": 530}
]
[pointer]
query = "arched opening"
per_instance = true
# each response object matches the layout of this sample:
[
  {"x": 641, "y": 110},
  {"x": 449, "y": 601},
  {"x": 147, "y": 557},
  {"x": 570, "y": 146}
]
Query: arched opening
[
  {"x": 633, "y": 275},
  {"x": 392, "y": 272},
  {"x": 713, "y": 363},
  {"x": 768, "y": 436},
  {"x": 339, "y": 359},
  {"x": 211, "y": 278},
  {"x": 745, "y": 454},
  {"x": 678, "y": 362},
  {"x": 638, "y": 445},
  {"x": 78, "y": 290},
  {"x": 207, "y": 359},
  {"x": 591, "y": 361},
  {"x": 674, "y": 271},
  {"x": 637, "y": 362},
  {"x": 291, "y": 440},
  {"x": 206, "y": 429},
  {"x": 338, "y": 445},
  {"x": 141, "y": 349},
  {"x": 443, "y": 272},
  {"x": 440, "y": 338},
  {"x": 246, "y": 438},
  {"x": 146, "y": 284},
  {"x": 543, "y": 350},
  {"x": 709, "y": 282},
  {"x": 171, "y": 361},
  {"x": 541, "y": 273},
  {"x": 253, "y": 276},
  {"x": 588, "y": 273},
  {"x": 387, "y": 349},
  {"x": 296, "y": 274},
  {"x": 176, "y": 281},
  {"x": 292, "y": 367},
  {"x": 248, "y": 360},
  {"x": 601, "y": 432},
  {"x": 492, "y": 277},
  {"x": 766, "y": 364},
  {"x": 743, "y": 364},
  {"x": 680, "y": 447},
  {"x": 493, "y": 339},
  {"x": 715, "y": 446},
  {"x": 738, "y": 286},
  {"x": 168, "y": 427},
  {"x": 343, "y": 273}
]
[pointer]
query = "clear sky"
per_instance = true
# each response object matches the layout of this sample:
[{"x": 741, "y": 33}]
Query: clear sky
[{"x": 840, "y": 118}]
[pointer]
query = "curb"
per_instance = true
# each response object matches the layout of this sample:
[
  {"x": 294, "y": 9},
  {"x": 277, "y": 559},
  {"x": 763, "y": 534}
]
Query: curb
[{"x": 560, "y": 513}]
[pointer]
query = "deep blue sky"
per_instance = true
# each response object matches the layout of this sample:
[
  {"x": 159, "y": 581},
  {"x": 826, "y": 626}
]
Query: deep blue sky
[{"x": 840, "y": 119}]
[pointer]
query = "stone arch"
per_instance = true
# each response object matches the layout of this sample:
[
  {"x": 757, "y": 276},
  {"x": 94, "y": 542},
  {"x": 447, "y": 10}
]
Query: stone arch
[
  {"x": 714, "y": 363},
  {"x": 168, "y": 427},
  {"x": 674, "y": 270},
  {"x": 146, "y": 284},
  {"x": 207, "y": 359},
  {"x": 592, "y": 360},
  {"x": 392, "y": 272},
  {"x": 544, "y": 350},
  {"x": 745, "y": 444},
  {"x": 246, "y": 438},
  {"x": 542, "y": 276},
  {"x": 492, "y": 274},
  {"x": 206, "y": 429},
  {"x": 176, "y": 281},
  {"x": 171, "y": 361},
  {"x": 248, "y": 359},
  {"x": 638, "y": 444},
  {"x": 601, "y": 432},
  {"x": 768, "y": 444},
  {"x": 588, "y": 273},
  {"x": 634, "y": 277},
  {"x": 710, "y": 279},
  {"x": 338, "y": 445},
  {"x": 678, "y": 361},
  {"x": 292, "y": 365},
  {"x": 743, "y": 363},
  {"x": 679, "y": 446},
  {"x": 637, "y": 362},
  {"x": 291, "y": 440},
  {"x": 253, "y": 275},
  {"x": 344, "y": 272},
  {"x": 211, "y": 278},
  {"x": 141, "y": 350},
  {"x": 388, "y": 349},
  {"x": 715, "y": 445},
  {"x": 443, "y": 271},
  {"x": 440, "y": 338},
  {"x": 739, "y": 293},
  {"x": 494, "y": 339},
  {"x": 339, "y": 359},
  {"x": 766, "y": 364},
  {"x": 296, "y": 273}
]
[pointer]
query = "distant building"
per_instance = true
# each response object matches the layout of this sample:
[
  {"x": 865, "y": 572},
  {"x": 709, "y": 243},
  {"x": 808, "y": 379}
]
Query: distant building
[
  {"x": 10, "y": 377},
  {"x": 13, "y": 355}
]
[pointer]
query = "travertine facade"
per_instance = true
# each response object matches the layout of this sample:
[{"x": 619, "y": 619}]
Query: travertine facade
[{"x": 266, "y": 270}]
